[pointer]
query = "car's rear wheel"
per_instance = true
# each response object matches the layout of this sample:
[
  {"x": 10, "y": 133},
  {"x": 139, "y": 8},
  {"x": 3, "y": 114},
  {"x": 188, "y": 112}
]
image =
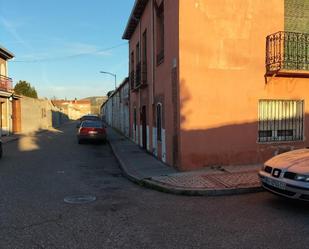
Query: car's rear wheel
[{"x": 79, "y": 141}]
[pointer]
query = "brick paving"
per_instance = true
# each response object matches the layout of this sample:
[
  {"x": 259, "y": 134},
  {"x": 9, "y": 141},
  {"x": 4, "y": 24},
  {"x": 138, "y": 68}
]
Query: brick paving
[
  {"x": 144, "y": 169},
  {"x": 210, "y": 181},
  {"x": 188, "y": 181}
]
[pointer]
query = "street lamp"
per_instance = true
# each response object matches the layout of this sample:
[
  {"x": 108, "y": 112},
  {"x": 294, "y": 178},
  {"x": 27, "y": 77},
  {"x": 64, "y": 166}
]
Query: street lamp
[{"x": 112, "y": 74}]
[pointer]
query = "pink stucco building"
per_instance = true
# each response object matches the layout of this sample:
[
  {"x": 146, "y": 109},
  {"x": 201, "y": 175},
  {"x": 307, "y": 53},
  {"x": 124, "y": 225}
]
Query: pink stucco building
[{"x": 218, "y": 82}]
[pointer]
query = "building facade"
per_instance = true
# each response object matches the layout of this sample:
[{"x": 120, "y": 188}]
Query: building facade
[
  {"x": 73, "y": 109},
  {"x": 218, "y": 82},
  {"x": 115, "y": 111},
  {"x": 9, "y": 102}
]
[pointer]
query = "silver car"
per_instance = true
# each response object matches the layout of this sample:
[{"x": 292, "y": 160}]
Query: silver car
[{"x": 287, "y": 174}]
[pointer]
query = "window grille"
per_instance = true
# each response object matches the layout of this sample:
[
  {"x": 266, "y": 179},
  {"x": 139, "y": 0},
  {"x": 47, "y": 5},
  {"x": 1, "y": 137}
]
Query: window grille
[{"x": 281, "y": 120}]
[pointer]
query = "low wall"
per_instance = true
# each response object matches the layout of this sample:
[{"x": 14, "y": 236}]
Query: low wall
[{"x": 40, "y": 114}]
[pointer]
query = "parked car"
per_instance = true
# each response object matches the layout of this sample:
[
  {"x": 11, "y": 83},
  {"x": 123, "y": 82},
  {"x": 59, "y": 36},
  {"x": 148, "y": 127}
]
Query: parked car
[
  {"x": 287, "y": 174},
  {"x": 90, "y": 117},
  {"x": 1, "y": 150},
  {"x": 91, "y": 131}
]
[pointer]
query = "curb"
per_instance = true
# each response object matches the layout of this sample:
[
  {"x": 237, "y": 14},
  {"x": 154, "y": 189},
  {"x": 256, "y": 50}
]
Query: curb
[
  {"x": 181, "y": 191},
  {"x": 124, "y": 168},
  {"x": 11, "y": 140},
  {"x": 199, "y": 192}
]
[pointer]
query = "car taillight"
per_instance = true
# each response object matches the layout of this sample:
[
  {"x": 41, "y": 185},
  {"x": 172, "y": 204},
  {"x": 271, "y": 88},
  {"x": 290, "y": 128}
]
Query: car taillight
[
  {"x": 84, "y": 130},
  {"x": 100, "y": 130}
]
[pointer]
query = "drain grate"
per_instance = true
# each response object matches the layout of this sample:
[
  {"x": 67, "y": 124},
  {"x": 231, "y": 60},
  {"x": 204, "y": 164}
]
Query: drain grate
[{"x": 79, "y": 199}]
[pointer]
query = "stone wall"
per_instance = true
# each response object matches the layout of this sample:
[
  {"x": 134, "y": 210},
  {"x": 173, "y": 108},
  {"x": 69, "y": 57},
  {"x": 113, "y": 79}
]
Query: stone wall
[{"x": 40, "y": 114}]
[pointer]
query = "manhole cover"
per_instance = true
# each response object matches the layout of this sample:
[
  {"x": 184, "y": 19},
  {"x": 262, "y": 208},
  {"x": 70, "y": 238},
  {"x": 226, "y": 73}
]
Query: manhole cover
[{"x": 79, "y": 199}]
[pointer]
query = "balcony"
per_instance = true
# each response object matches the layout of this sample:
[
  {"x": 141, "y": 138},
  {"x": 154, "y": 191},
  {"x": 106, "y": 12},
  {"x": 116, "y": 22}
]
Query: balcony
[
  {"x": 6, "y": 83},
  {"x": 287, "y": 54}
]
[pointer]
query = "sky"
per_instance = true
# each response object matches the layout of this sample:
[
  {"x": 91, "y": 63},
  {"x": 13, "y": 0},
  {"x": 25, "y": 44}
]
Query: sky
[{"x": 60, "y": 46}]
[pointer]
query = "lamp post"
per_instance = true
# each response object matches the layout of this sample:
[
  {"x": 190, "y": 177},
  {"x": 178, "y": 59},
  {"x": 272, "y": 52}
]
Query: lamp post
[
  {"x": 112, "y": 74},
  {"x": 112, "y": 111}
]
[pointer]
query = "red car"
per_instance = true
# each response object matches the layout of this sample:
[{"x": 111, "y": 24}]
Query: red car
[{"x": 91, "y": 131}]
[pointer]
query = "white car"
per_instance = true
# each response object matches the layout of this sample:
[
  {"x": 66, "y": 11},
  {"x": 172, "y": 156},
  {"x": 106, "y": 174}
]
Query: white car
[{"x": 287, "y": 174}]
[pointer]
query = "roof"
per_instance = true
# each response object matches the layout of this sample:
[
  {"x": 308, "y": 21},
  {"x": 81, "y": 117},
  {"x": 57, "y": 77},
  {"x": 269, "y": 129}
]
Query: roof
[
  {"x": 125, "y": 81},
  {"x": 6, "y": 54},
  {"x": 66, "y": 102},
  {"x": 137, "y": 11}
]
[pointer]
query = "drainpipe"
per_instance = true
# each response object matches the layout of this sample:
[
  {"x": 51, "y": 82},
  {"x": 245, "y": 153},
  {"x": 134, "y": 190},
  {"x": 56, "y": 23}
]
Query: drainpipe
[
  {"x": 152, "y": 52},
  {"x": 139, "y": 90},
  {"x": 8, "y": 120}
]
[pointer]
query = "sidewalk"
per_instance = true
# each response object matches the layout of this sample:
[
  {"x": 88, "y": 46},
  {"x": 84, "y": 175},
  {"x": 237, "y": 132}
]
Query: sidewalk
[
  {"x": 146, "y": 170},
  {"x": 7, "y": 139}
]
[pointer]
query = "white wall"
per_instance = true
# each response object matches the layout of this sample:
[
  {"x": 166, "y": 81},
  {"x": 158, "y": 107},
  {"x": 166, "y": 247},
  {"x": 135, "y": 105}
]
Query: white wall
[{"x": 115, "y": 111}]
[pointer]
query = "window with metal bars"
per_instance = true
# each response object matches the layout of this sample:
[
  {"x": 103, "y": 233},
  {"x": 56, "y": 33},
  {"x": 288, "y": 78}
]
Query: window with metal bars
[{"x": 280, "y": 120}]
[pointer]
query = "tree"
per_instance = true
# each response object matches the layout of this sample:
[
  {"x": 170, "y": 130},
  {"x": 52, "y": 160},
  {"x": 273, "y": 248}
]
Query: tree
[{"x": 24, "y": 88}]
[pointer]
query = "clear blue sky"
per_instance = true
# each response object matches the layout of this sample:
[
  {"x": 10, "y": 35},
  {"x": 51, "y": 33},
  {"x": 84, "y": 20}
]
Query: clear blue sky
[{"x": 60, "y": 45}]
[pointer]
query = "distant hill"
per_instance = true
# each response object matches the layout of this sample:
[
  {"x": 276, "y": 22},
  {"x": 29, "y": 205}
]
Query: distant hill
[{"x": 96, "y": 102}]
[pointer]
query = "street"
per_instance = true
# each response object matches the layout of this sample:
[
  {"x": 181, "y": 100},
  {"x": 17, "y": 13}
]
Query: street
[{"x": 37, "y": 173}]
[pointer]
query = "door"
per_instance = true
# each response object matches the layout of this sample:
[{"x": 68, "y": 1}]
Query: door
[
  {"x": 144, "y": 127},
  {"x": 16, "y": 116}
]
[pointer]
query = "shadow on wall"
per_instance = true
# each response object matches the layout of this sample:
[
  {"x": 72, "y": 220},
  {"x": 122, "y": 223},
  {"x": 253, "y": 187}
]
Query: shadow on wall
[
  {"x": 233, "y": 144},
  {"x": 59, "y": 118}
]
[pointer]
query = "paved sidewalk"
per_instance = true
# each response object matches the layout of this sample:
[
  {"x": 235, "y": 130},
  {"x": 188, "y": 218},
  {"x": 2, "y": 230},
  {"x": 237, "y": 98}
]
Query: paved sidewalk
[
  {"x": 146, "y": 170},
  {"x": 7, "y": 139}
]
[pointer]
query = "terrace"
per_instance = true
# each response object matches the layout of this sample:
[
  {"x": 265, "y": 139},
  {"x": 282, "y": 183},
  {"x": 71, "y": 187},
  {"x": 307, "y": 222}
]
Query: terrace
[{"x": 6, "y": 83}]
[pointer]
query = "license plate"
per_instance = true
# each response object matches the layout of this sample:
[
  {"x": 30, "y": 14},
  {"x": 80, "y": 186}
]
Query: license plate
[
  {"x": 93, "y": 132},
  {"x": 274, "y": 183}
]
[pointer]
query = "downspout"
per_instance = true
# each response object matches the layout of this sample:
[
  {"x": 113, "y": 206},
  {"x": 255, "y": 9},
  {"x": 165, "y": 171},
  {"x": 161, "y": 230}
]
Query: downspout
[
  {"x": 129, "y": 92},
  {"x": 152, "y": 53},
  {"x": 139, "y": 89}
]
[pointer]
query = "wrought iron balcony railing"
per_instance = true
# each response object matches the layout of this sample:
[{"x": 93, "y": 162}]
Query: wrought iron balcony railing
[
  {"x": 287, "y": 51},
  {"x": 6, "y": 83}
]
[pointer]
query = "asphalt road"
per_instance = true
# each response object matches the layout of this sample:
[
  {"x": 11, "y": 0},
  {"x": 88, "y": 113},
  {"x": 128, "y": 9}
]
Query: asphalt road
[{"x": 38, "y": 172}]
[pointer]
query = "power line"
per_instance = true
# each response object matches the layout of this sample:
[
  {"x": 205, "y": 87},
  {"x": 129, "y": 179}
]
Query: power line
[{"x": 69, "y": 56}]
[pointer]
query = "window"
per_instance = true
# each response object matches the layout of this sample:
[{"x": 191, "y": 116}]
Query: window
[
  {"x": 138, "y": 66},
  {"x": 137, "y": 53},
  {"x": 132, "y": 70},
  {"x": 281, "y": 120},
  {"x": 159, "y": 122},
  {"x": 160, "y": 33}
]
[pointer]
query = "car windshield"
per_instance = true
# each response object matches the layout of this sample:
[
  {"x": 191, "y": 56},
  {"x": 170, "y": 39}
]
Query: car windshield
[
  {"x": 87, "y": 124},
  {"x": 90, "y": 118}
]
